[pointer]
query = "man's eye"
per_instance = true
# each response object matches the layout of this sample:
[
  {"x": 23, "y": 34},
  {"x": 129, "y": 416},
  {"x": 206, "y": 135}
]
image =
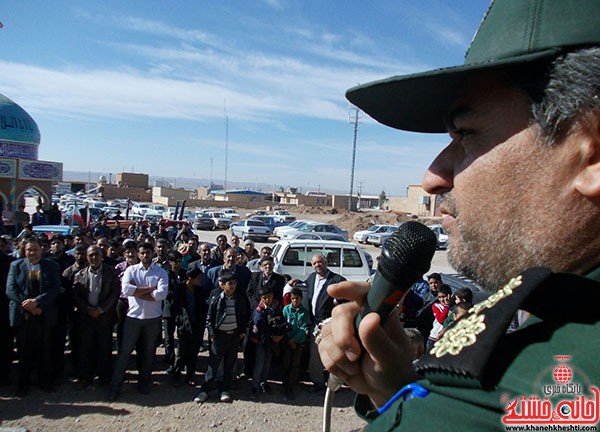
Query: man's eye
[{"x": 463, "y": 132}]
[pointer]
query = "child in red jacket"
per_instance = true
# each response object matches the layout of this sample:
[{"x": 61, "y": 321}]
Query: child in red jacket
[{"x": 440, "y": 309}]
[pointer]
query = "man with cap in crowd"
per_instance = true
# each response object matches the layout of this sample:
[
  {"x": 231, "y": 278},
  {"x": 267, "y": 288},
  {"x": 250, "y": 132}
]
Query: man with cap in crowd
[{"x": 519, "y": 187}]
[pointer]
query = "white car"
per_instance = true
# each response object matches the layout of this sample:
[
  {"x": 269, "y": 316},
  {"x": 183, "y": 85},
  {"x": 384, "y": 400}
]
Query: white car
[
  {"x": 361, "y": 236},
  {"x": 293, "y": 257},
  {"x": 316, "y": 228},
  {"x": 280, "y": 231},
  {"x": 251, "y": 229},
  {"x": 442, "y": 236},
  {"x": 140, "y": 209},
  {"x": 230, "y": 213},
  {"x": 377, "y": 239},
  {"x": 283, "y": 216}
]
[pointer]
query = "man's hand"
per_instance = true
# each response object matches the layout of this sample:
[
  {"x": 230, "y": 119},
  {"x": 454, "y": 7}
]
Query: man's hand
[
  {"x": 375, "y": 363},
  {"x": 144, "y": 293},
  {"x": 29, "y": 305},
  {"x": 94, "y": 312}
]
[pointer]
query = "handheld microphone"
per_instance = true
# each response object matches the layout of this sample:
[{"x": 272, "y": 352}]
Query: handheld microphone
[{"x": 405, "y": 258}]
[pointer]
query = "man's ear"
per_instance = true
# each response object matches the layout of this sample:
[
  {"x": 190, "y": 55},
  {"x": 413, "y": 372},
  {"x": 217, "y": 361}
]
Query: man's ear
[{"x": 587, "y": 182}]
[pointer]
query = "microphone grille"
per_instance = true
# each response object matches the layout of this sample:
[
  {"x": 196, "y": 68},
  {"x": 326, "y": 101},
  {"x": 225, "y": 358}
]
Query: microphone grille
[{"x": 407, "y": 254}]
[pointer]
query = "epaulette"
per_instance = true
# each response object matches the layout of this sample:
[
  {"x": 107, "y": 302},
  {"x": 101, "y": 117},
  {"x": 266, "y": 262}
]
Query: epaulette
[{"x": 468, "y": 349}]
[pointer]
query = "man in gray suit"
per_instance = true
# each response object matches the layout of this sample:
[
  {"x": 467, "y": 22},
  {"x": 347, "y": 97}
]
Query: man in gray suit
[
  {"x": 32, "y": 288},
  {"x": 96, "y": 290}
]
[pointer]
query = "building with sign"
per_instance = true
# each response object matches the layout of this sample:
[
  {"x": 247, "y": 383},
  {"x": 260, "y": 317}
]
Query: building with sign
[{"x": 20, "y": 169}]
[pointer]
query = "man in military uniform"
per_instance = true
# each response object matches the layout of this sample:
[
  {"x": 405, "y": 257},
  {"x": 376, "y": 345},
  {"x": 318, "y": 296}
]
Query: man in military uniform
[{"x": 520, "y": 194}]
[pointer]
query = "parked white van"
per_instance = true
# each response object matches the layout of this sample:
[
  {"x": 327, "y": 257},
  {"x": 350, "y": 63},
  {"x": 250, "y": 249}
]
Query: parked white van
[{"x": 293, "y": 257}]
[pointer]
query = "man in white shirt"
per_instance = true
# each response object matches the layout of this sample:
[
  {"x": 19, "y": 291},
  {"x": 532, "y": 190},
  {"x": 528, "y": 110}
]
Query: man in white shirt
[{"x": 146, "y": 285}]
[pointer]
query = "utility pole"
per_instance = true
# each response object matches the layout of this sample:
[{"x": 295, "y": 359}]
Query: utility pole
[
  {"x": 353, "y": 118},
  {"x": 226, "y": 145}
]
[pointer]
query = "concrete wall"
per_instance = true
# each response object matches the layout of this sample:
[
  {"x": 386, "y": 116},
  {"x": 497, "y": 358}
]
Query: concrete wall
[
  {"x": 132, "y": 180},
  {"x": 416, "y": 202},
  {"x": 110, "y": 191}
]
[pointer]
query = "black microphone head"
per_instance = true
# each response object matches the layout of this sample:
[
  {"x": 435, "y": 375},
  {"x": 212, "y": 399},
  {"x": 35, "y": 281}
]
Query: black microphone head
[{"x": 406, "y": 255}]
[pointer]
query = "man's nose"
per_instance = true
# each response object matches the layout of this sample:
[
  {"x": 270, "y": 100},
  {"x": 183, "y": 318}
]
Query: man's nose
[{"x": 439, "y": 177}]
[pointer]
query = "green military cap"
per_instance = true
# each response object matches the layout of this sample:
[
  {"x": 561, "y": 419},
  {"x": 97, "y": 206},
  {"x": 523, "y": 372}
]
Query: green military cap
[{"x": 513, "y": 33}]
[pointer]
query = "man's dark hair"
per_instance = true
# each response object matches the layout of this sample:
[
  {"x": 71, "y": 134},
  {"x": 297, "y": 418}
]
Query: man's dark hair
[
  {"x": 561, "y": 91},
  {"x": 227, "y": 276},
  {"x": 193, "y": 273},
  {"x": 145, "y": 245},
  {"x": 435, "y": 276},
  {"x": 296, "y": 292},
  {"x": 463, "y": 306},
  {"x": 80, "y": 248},
  {"x": 465, "y": 294},
  {"x": 445, "y": 289},
  {"x": 174, "y": 256}
]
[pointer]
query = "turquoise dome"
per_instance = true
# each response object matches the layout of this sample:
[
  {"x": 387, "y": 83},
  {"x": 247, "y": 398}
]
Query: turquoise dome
[{"x": 19, "y": 133}]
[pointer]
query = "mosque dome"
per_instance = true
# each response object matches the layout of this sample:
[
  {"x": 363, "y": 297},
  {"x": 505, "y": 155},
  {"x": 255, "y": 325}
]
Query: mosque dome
[{"x": 19, "y": 133}]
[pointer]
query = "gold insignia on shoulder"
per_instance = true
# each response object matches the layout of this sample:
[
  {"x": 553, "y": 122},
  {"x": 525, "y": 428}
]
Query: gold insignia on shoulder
[
  {"x": 498, "y": 295},
  {"x": 463, "y": 334}
]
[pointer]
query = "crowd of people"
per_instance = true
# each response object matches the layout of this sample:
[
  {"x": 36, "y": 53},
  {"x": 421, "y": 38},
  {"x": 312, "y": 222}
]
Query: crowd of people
[{"x": 91, "y": 299}]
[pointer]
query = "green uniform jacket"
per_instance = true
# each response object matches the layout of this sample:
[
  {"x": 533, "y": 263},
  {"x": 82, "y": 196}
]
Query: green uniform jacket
[{"x": 476, "y": 369}]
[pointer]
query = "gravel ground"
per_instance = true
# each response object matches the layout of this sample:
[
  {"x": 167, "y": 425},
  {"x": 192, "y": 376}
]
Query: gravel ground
[{"x": 168, "y": 408}]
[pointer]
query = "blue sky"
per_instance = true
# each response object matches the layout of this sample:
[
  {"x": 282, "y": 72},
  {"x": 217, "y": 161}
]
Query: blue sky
[{"x": 145, "y": 85}]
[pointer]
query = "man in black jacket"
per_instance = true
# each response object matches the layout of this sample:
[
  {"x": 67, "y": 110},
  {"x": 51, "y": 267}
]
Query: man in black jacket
[
  {"x": 228, "y": 315},
  {"x": 96, "y": 290}
]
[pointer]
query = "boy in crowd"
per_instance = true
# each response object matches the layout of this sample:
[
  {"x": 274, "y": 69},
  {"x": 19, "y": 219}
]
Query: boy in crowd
[
  {"x": 264, "y": 334},
  {"x": 228, "y": 313},
  {"x": 297, "y": 317},
  {"x": 440, "y": 312}
]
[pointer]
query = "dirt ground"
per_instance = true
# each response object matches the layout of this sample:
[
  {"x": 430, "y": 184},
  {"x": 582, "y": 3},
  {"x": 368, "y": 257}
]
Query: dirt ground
[{"x": 169, "y": 408}]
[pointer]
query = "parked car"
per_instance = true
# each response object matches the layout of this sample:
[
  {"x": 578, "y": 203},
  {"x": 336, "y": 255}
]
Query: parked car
[
  {"x": 442, "y": 236},
  {"x": 283, "y": 216},
  {"x": 294, "y": 257},
  {"x": 316, "y": 228},
  {"x": 221, "y": 221},
  {"x": 203, "y": 221},
  {"x": 230, "y": 213},
  {"x": 315, "y": 236},
  {"x": 159, "y": 208},
  {"x": 257, "y": 213},
  {"x": 377, "y": 239},
  {"x": 251, "y": 229},
  {"x": 269, "y": 221},
  {"x": 361, "y": 236},
  {"x": 140, "y": 208},
  {"x": 280, "y": 231}
]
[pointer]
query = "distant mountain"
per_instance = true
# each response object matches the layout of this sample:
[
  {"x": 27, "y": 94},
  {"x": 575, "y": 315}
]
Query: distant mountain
[{"x": 182, "y": 182}]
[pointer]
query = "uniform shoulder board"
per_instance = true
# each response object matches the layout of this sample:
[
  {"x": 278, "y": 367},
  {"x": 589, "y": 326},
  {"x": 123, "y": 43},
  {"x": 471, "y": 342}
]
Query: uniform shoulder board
[{"x": 467, "y": 348}]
